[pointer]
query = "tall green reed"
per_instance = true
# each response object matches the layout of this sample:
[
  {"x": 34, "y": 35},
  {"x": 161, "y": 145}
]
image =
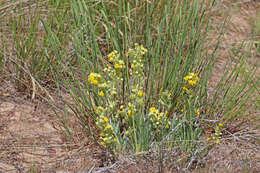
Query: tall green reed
[{"x": 25, "y": 44}]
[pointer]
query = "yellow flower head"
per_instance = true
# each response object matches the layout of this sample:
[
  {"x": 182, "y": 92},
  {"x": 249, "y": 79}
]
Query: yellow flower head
[
  {"x": 93, "y": 78},
  {"x": 140, "y": 48},
  {"x": 191, "y": 78},
  {"x": 117, "y": 66},
  {"x": 111, "y": 59},
  {"x": 121, "y": 62},
  {"x": 94, "y": 82},
  {"x": 220, "y": 124},
  {"x": 101, "y": 93},
  {"x": 185, "y": 87},
  {"x": 140, "y": 93},
  {"x": 192, "y": 82},
  {"x": 108, "y": 126},
  {"x": 106, "y": 119},
  {"x": 187, "y": 78},
  {"x": 111, "y": 56},
  {"x": 197, "y": 112},
  {"x": 152, "y": 109},
  {"x": 191, "y": 74},
  {"x": 129, "y": 112}
]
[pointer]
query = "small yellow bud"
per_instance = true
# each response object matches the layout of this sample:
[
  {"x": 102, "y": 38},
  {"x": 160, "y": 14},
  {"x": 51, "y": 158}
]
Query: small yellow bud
[
  {"x": 106, "y": 119},
  {"x": 111, "y": 56},
  {"x": 191, "y": 82},
  {"x": 192, "y": 74},
  {"x": 217, "y": 141},
  {"x": 129, "y": 112},
  {"x": 152, "y": 109},
  {"x": 186, "y": 78},
  {"x": 110, "y": 59},
  {"x": 116, "y": 66},
  {"x": 94, "y": 82},
  {"x": 101, "y": 93},
  {"x": 140, "y": 93},
  {"x": 108, "y": 126},
  {"x": 220, "y": 124}
]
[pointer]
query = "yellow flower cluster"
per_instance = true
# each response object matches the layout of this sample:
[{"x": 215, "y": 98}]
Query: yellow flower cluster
[
  {"x": 107, "y": 109},
  {"x": 126, "y": 113},
  {"x": 94, "y": 78},
  {"x": 114, "y": 58},
  {"x": 139, "y": 50},
  {"x": 140, "y": 93},
  {"x": 131, "y": 109},
  {"x": 115, "y": 71},
  {"x": 137, "y": 95},
  {"x": 197, "y": 112},
  {"x": 119, "y": 65},
  {"x": 136, "y": 59},
  {"x": 217, "y": 135},
  {"x": 101, "y": 93},
  {"x": 159, "y": 119},
  {"x": 106, "y": 136},
  {"x": 191, "y": 79}
]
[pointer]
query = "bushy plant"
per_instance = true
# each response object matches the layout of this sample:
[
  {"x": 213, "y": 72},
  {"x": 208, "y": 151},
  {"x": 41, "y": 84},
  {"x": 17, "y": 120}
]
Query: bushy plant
[{"x": 130, "y": 96}]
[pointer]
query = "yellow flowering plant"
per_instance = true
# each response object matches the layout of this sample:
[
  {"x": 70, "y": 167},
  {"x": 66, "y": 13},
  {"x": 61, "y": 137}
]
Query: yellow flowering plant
[
  {"x": 123, "y": 109},
  {"x": 136, "y": 97}
]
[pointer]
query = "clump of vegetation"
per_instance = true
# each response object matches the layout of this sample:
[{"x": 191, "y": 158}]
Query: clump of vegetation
[
  {"x": 140, "y": 94},
  {"x": 137, "y": 71},
  {"x": 119, "y": 106}
]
